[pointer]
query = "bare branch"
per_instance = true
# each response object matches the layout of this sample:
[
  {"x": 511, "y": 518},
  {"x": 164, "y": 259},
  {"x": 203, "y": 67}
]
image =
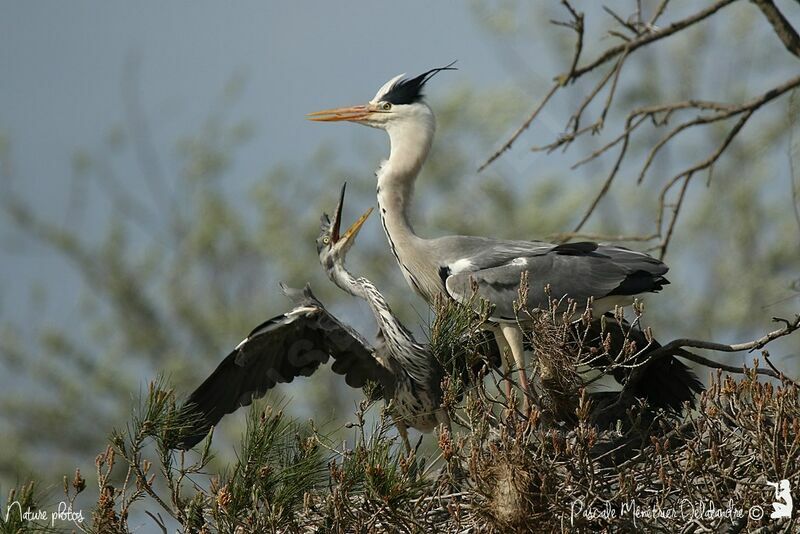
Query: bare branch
[
  {"x": 676, "y": 346},
  {"x": 644, "y": 33},
  {"x": 687, "y": 174},
  {"x": 650, "y": 37},
  {"x": 507, "y": 144},
  {"x": 675, "y": 210},
  {"x": 773, "y": 373},
  {"x": 788, "y": 328},
  {"x": 606, "y": 184},
  {"x": 793, "y": 115},
  {"x": 577, "y": 25},
  {"x": 783, "y": 29},
  {"x": 657, "y": 13},
  {"x": 637, "y": 117},
  {"x": 566, "y": 236},
  {"x": 158, "y": 520}
]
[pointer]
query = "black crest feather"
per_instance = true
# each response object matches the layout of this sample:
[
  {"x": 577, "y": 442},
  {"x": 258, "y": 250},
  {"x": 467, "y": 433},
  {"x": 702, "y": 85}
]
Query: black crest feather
[{"x": 408, "y": 91}]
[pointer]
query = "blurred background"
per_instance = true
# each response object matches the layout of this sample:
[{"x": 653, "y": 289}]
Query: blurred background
[{"x": 158, "y": 179}]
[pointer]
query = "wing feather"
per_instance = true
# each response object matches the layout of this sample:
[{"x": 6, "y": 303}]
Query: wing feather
[
  {"x": 293, "y": 344},
  {"x": 574, "y": 270}
]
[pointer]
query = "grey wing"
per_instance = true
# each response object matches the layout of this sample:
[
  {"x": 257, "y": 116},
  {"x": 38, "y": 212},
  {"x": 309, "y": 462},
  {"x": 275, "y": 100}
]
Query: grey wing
[
  {"x": 279, "y": 350},
  {"x": 575, "y": 270}
]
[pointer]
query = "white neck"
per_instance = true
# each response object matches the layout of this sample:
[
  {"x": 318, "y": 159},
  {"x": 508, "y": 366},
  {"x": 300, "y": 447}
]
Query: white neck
[{"x": 411, "y": 141}]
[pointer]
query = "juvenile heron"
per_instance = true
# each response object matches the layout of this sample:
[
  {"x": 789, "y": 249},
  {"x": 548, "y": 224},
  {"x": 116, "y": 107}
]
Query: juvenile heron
[
  {"x": 414, "y": 391},
  {"x": 453, "y": 265},
  {"x": 297, "y": 342}
]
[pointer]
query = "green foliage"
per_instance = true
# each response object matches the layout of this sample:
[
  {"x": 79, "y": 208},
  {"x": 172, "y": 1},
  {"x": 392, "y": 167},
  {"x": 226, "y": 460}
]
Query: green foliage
[{"x": 279, "y": 465}]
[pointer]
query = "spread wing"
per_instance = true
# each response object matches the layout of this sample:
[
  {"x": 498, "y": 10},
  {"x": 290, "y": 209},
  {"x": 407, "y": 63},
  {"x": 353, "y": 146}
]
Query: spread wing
[
  {"x": 575, "y": 270},
  {"x": 293, "y": 344}
]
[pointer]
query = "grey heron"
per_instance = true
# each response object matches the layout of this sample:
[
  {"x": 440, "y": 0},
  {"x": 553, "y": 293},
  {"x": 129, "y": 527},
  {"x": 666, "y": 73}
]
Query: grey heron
[
  {"x": 297, "y": 342},
  {"x": 451, "y": 265}
]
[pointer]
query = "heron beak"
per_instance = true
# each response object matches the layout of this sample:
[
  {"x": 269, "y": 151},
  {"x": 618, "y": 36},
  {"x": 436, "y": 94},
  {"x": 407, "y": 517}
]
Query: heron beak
[
  {"x": 352, "y": 232},
  {"x": 353, "y": 114},
  {"x": 337, "y": 216}
]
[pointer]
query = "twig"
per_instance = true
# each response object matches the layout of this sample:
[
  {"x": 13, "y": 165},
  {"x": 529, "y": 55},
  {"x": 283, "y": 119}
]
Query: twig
[
  {"x": 563, "y": 237},
  {"x": 774, "y": 373},
  {"x": 606, "y": 185},
  {"x": 648, "y": 38},
  {"x": 792, "y": 116},
  {"x": 788, "y": 328},
  {"x": 765, "y": 355},
  {"x": 637, "y": 117},
  {"x": 675, "y": 210},
  {"x": 577, "y": 25},
  {"x": 644, "y": 34},
  {"x": 575, "y": 72},
  {"x": 674, "y": 348},
  {"x": 147, "y": 488},
  {"x": 783, "y": 29},
  {"x": 158, "y": 521},
  {"x": 507, "y": 145}
]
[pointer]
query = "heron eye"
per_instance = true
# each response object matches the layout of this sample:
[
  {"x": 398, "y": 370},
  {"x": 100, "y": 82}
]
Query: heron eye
[
  {"x": 387, "y": 106},
  {"x": 326, "y": 240}
]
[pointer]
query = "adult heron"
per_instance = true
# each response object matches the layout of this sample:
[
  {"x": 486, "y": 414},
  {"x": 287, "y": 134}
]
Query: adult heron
[
  {"x": 454, "y": 265},
  {"x": 297, "y": 342}
]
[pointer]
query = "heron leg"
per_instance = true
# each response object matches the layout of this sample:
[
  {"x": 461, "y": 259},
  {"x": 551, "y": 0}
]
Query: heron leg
[
  {"x": 506, "y": 358},
  {"x": 403, "y": 431},
  {"x": 513, "y": 337}
]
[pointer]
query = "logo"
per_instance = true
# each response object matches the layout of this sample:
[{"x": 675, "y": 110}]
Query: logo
[
  {"x": 64, "y": 513},
  {"x": 782, "y": 493}
]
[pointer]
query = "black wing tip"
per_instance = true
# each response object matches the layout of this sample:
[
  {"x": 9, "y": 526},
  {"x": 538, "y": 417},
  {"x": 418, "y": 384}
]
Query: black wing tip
[
  {"x": 189, "y": 441},
  {"x": 640, "y": 282},
  {"x": 576, "y": 249},
  {"x": 197, "y": 423},
  {"x": 670, "y": 384}
]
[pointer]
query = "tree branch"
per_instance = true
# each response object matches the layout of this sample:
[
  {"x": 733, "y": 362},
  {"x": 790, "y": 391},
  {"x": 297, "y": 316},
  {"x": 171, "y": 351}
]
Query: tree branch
[
  {"x": 783, "y": 29},
  {"x": 647, "y": 38},
  {"x": 788, "y": 328},
  {"x": 507, "y": 145}
]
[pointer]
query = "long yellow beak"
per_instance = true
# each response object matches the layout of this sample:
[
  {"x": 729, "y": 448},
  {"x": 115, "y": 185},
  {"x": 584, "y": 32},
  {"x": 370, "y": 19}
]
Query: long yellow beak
[
  {"x": 352, "y": 113},
  {"x": 352, "y": 232}
]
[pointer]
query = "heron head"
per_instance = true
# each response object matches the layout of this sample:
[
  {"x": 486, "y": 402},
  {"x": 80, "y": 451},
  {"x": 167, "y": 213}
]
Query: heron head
[
  {"x": 397, "y": 100},
  {"x": 332, "y": 245}
]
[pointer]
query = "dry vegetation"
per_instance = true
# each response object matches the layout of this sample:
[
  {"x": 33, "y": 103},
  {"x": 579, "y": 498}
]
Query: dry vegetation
[{"x": 557, "y": 470}]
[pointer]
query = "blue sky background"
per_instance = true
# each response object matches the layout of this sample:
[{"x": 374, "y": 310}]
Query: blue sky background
[{"x": 65, "y": 67}]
